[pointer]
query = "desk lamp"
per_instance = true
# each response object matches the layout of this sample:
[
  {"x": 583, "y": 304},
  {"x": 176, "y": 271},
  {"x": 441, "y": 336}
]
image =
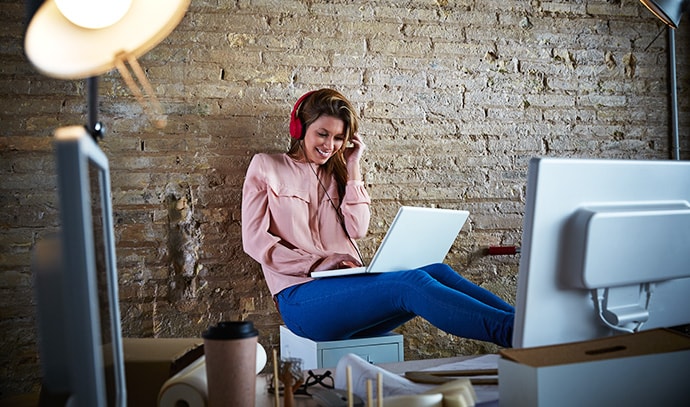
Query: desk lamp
[
  {"x": 81, "y": 39},
  {"x": 670, "y": 12}
]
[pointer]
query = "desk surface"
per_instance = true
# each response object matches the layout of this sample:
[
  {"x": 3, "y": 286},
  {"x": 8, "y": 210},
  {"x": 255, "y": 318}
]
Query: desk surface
[{"x": 264, "y": 399}]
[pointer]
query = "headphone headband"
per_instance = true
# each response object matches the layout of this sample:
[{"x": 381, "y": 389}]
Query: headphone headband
[{"x": 295, "y": 122}]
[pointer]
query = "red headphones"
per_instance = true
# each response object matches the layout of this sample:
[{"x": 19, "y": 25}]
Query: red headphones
[{"x": 295, "y": 122}]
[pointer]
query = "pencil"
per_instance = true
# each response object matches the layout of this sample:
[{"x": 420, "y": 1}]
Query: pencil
[
  {"x": 379, "y": 389},
  {"x": 349, "y": 386},
  {"x": 276, "y": 384}
]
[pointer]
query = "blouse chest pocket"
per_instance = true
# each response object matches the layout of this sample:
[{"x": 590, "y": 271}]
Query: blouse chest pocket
[{"x": 288, "y": 193}]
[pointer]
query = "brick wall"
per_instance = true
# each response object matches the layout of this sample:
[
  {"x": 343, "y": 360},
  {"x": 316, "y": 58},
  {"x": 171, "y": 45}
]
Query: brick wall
[{"x": 455, "y": 97}]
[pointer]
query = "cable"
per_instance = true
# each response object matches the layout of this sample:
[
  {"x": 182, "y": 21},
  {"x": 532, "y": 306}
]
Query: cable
[
  {"x": 338, "y": 213},
  {"x": 599, "y": 302},
  {"x": 648, "y": 287}
]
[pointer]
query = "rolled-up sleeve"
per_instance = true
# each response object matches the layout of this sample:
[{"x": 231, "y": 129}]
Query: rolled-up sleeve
[{"x": 356, "y": 209}]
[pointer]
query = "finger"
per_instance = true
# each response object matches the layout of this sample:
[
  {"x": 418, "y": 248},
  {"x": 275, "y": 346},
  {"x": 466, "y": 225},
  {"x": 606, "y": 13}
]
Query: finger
[
  {"x": 356, "y": 139},
  {"x": 348, "y": 264},
  {"x": 355, "y": 261},
  {"x": 359, "y": 142}
]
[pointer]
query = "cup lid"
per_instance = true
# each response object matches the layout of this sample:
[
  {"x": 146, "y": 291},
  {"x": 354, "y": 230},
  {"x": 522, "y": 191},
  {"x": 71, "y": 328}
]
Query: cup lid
[{"x": 231, "y": 330}]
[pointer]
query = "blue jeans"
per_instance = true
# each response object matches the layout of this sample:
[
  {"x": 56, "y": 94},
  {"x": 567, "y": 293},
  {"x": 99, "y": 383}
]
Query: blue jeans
[{"x": 372, "y": 304}]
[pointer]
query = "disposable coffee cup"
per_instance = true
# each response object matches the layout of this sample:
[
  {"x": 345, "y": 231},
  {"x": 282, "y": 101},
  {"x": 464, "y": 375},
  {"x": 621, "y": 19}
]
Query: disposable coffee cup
[{"x": 230, "y": 349}]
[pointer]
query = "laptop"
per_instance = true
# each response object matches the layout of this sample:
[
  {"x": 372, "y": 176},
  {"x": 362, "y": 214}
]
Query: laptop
[{"x": 417, "y": 237}]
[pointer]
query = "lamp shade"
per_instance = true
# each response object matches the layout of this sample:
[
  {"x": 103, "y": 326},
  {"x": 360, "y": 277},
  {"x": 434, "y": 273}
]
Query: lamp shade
[
  {"x": 93, "y": 13},
  {"x": 61, "y": 49},
  {"x": 669, "y": 11}
]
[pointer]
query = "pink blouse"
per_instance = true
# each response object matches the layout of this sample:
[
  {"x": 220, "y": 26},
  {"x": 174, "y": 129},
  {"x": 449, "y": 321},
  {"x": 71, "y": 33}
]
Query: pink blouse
[{"x": 289, "y": 223}]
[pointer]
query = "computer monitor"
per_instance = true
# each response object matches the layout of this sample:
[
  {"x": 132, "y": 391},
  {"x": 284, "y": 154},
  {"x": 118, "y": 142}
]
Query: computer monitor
[
  {"x": 80, "y": 344},
  {"x": 605, "y": 249}
]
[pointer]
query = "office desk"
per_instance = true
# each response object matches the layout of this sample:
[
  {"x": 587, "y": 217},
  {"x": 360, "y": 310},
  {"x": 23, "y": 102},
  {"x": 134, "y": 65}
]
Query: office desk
[{"x": 264, "y": 399}]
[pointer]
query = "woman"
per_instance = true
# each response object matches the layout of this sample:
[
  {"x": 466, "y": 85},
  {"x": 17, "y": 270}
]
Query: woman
[{"x": 301, "y": 212}]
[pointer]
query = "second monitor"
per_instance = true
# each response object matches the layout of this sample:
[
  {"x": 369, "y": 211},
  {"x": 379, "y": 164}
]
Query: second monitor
[{"x": 605, "y": 249}]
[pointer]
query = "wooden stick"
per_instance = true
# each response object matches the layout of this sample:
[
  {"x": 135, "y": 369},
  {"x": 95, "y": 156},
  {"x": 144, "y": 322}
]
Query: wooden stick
[
  {"x": 379, "y": 389},
  {"x": 370, "y": 399},
  {"x": 349, "y": 386},
  {"x": 276, "y": 383}
]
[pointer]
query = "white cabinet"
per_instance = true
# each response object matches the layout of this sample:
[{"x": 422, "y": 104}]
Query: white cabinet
[{"x": 379, "y": 349}]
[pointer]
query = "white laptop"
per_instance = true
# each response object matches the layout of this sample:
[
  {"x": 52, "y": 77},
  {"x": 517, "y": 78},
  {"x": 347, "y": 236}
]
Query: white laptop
[{"x": 417, "y": 237}]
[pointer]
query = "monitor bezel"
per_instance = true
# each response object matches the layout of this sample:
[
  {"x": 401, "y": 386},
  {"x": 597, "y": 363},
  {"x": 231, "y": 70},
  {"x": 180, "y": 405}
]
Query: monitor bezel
[{"x": 75, "y": 152}]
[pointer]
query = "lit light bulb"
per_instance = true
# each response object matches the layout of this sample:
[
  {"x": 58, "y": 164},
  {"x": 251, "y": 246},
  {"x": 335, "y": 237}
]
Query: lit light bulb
[{"x": 93, "y": 13}]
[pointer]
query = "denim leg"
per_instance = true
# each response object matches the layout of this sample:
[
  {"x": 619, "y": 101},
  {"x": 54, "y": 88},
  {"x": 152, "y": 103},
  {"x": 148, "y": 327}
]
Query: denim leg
[
  {"x": 450, "y": 278},
  {"x": 338, "y": 308},
  {"x": 343, "y": 307}
]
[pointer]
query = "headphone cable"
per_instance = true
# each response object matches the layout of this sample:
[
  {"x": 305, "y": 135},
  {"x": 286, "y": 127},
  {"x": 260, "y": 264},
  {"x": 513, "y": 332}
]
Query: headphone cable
[{"x": 337, "y": 209}]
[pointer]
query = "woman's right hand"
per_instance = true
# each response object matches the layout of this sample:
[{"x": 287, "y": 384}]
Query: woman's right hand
[
  {"x": 354, "y": 153},
  {"x": 337, "y": 261},
  {"x": 352, "y": 156}
]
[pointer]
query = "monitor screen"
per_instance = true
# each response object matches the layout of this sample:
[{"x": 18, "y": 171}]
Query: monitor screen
[
  {"x": 605, "y": 249},
  {"x": 85, "y": 366}
]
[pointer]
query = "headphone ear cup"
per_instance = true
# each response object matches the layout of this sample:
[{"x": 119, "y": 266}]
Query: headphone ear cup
[
  {"x": 295, "y": 127},
  {"x": 295, "y": 122}
]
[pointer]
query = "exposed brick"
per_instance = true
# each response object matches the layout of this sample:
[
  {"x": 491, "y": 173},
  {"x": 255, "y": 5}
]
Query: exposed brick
[{"x": 455, "y": 97}]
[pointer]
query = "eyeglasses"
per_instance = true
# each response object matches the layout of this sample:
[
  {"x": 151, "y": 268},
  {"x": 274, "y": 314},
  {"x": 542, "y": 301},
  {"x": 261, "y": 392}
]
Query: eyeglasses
[{"x": 325, "y": 380}]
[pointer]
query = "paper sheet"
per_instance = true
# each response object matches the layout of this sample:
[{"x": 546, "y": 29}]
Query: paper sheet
[
  {"x": 487, "y": 395},
  {"x": 395, "y": 385}
]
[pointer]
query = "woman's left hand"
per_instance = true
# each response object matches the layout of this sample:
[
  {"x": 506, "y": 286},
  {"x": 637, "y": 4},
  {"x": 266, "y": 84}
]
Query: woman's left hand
[{"x": 337, "y": 261}]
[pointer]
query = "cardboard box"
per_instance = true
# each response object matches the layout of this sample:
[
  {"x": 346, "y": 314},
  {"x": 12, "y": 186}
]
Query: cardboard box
[
  {"x": 150, "y": 362},
  {"x": 649, "y": 368}
]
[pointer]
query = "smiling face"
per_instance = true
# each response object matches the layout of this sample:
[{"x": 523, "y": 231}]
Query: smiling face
[{"x": 323, "y": 138}]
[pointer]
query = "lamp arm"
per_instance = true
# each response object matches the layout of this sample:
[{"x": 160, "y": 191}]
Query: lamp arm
[
  {"x": 94, "y": 127},
  {"x": 673, "y": 88}
]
